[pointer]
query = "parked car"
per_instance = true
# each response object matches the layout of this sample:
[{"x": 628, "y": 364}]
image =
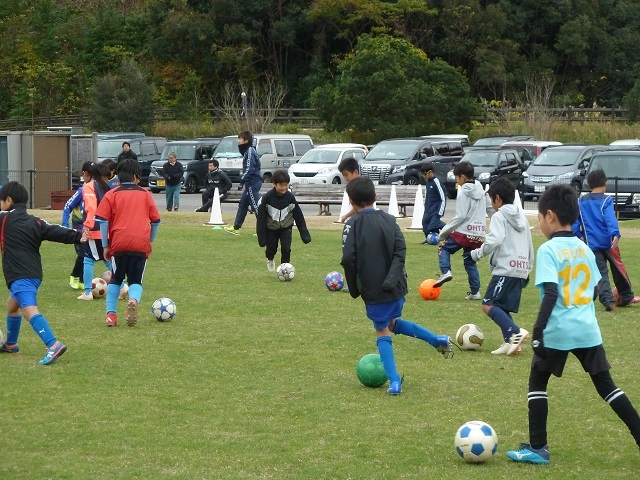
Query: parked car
[
  {"x": 123, "y": 135},
  {"x": 275, "y": 151},
  {"x": 194, "y": 155},
  {"x": 463, "y": 139},
  {"x": 622, "y": 168},
  {"x": 562, "y": 164},
  {"x": 148, "y": 150},
  {"x": 529, "y": 150},
  {"x": 490, "y": 164},
  {"x": 625, "y": 143},
  {"x": 320, "y": 164},
  {"x": 399, "y": 160},
  {"x": 495, "y": 141}
]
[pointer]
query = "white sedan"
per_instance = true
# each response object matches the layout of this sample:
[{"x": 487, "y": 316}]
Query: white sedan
[{"x": 320, "y": 164}]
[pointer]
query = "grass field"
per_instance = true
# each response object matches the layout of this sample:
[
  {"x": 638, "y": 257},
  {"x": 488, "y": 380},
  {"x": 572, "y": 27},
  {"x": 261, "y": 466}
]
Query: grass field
[{"x": 255, "y": 378}]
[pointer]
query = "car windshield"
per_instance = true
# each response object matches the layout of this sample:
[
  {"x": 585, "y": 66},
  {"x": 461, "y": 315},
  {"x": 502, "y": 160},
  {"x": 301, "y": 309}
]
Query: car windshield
[
  {"x": 490, "y": 142},
  {"x": 621, "y": 166},
  {"x": 317, "y": 155},
  {"x": 227, "y": 148},
  {"x": 391, "y": 151},
  {"x": 478, "y": 158},
  {"x": 183, "y": 152},
  {"x": 555, "y": 157},
  {"x": 109, "y": 148}
]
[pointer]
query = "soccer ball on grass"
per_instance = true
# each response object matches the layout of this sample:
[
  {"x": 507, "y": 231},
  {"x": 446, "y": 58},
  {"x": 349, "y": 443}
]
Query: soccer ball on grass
[
  {"x": 469, "y": 337},
  {"x": 370, "y": 371},
  {"x": 98, "y": 287},
  {"x": 334, "y": 281},
  {"x": 476, "y": 441},
  {"x": 428, "y": 291},
  {"x": 164, "y": 309},
  {"x": 285, "y": 272}
]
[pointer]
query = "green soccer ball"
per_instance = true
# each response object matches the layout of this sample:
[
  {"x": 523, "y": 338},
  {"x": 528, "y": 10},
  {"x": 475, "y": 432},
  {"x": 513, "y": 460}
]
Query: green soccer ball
[{"x": 370, "y": 371}]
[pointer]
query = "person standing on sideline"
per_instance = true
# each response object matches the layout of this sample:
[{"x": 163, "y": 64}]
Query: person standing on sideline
[
  {"x": 126, "y": 153},
  {"x": 250, "y": 181},
  {"x": 435, "y": 202},
  {"x": 172, "y": 172},
  {"x": 215, "y": 178},
  {"x": 350, "y": 169}
]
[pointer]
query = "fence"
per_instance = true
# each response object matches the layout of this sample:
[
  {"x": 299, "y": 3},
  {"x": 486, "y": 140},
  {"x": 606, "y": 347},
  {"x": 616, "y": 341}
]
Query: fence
[{"x": 47, "y": 188}]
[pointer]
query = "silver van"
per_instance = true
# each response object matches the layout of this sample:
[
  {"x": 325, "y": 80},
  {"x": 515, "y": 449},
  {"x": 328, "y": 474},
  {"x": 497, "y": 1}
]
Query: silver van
[{"x": 276, "y": 150}]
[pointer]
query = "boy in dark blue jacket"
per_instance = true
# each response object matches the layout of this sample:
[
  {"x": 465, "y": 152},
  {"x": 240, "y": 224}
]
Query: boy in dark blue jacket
[
  {"x": 373, "y": 257},
  {"x": 597, "y": 226},
  {"x": 434, "y": 203}
]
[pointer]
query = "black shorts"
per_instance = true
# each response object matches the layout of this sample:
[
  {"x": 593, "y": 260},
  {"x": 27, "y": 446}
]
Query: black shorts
[
  {"x": 504, "y": 293},
  {"x": 93, "y": 249},
  {"x": 129, "y": 265},
  {"x": 592, "y": 359}
]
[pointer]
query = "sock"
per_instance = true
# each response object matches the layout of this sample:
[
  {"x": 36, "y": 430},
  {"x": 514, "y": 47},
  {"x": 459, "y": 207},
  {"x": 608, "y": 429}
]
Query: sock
[
  {"x": 87, "y": 274},
  {"x": 538, "y": 403},
  {"x": 504, "y": 321},
  {"x": 411, "y": 329},
  {"x": 13, "y": 329},
  {"x": 113, "y": 291},
  {"x": 42, "y": 328},
  {"x": 385, "y": 349},
  {"x": 135, "y": 291},
  {"x": 621, "y": 404}
]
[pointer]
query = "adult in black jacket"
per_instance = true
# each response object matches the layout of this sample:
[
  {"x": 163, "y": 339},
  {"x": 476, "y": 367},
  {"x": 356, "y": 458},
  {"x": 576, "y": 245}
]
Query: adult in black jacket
[
  {"x": 172, "y": 171},
  {"x": 215, "y": 178},
  {"x": 126, "y": 153}
]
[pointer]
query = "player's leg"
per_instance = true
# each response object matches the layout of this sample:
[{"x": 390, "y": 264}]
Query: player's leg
[
  {"x": 472, "y": 275},
  {"x": 168, "y": 195},
  {"x": 385, "y": 349},
  {"x": 285, "y": 244},
  {"x": 503, "y": 295},
  {"x": 93, "y": 252},
  {"x": 135, "y": 274},
  {"x": 118, "y": 271},
  {"x": 620, "y": 277},
  {"x": 78, "y": 268},
  {"x": 445, "y": 251},
  {"x": 604, "y": 287},
  {"x": 243, "y": 207},
  {"x": 440, "y": 342},
  {"x": 14, "y": 322}
]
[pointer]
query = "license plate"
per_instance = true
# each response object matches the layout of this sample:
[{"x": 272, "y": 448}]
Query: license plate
[
  {"x": 160, "y": 183},
  {"x": 304, "y": 180},
  {"x": 229, "y": 163},
  {"x": 539, "y": 188}
]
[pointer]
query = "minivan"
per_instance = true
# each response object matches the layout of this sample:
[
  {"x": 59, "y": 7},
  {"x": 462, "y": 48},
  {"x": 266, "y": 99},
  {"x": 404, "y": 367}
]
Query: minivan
[
  {"x": 148, "y": 150},
  {"x": 194, "y": 155},
  {"x": 275, "y": 151}
]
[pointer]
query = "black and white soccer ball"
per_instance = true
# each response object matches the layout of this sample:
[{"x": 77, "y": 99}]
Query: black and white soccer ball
[{"x": 285, "y": 272}]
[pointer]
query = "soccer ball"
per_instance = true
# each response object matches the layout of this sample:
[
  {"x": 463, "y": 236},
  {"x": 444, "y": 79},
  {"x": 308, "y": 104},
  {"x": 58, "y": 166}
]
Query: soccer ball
[
  {"x": 433, "y": 238},
  {"x": 98, "y": 287},
  {"x": 428, "y": 291},
  {"x": 469, "y": 337},
  {"x": 1, "y": 337},
  {"x": 334, "y": 281},
  {"x": 285, "y": 272},
  {"x": 163, "y": 309},
  {"x": 476, "y": 441},
  {"x": 370, "y": 371},
  {"x": 106, "y": 276}
]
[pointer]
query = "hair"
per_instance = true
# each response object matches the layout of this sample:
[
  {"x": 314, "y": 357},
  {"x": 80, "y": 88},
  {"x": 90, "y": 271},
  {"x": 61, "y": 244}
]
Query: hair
[
  {"x": 280, "y": 176},
  {"x": 596, "y": 179},
  {"x": 561, "y": 200},
  {"x": 216, "y": 163},
  {"x": 110, "y": 163},
  {"x": 16, "y": 191},
  {"x": 361, "y": 191},
  {"x": 127, "y": 169},
  {"x": 246, "y": 135},
  {"x": 97, "y": 172},
  {"x": 126, "y": 143},
  {"x": 349, "y": 164},
  {"x": 172, "y": 154},
  {"x": 504, "y": 188},
  {"x": 464, "y": 168},
  {"x": 86, "y": 166},
  {"x": 426, "y": 167}
]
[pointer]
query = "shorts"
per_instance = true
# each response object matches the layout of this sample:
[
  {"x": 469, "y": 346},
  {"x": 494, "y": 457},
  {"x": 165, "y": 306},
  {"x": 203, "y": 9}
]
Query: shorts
[
  {"x": 592, "y": 359},
  {"x": 381, "y": 314},
  {"x": 93, "y": 249},
  {"x": 504, "y": 293},
  {"x": 25, "y": 291},
  {"x": 130, "y": 265}
]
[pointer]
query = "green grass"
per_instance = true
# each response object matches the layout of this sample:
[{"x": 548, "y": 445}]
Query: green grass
[{"x": 255, "y": 378}]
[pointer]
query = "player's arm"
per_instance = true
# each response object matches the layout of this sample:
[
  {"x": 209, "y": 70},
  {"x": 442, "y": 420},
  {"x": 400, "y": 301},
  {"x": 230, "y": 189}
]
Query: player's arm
[
  {"x": 549, "y": 298},
  {"x": 396, "y": 269},
  {"x": 57, "y": 233},
  {"x": 611, "y": 221},
  {"x": 301, "y": 223},
  {"x": 495, "y": 238},
  {"x": 348, "y": 261}
]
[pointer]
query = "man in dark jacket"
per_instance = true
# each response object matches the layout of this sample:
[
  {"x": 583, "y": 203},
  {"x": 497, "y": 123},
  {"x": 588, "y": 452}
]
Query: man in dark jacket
[
  {"x": 172, "y": 171},
  {"x": 215, "y": 178},
  {"x": 126, "y": 153},
  {"x": 434, "y": 204}
]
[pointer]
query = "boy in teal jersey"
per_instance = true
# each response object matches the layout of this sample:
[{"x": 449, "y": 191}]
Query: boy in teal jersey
[{"x": 567, "y": 276}]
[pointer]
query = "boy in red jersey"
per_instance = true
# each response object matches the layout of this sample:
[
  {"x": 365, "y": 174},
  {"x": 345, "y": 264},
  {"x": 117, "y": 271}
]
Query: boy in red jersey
[{"x": 129, "y": 222}]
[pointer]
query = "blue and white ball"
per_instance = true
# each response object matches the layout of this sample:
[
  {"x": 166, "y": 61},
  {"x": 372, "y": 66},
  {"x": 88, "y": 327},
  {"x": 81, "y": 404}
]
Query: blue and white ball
[
  {"x": 164, "y": 309},
  {"x": 334, "y": 281},
  {"x": 433, "y": 238},
  {"x": 476, "y": 441},
  {"x": 285, "y": 272}
]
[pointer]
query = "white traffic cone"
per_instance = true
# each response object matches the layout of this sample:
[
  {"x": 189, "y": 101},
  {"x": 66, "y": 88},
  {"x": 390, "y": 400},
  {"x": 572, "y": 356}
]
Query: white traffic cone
[
  {"x": 216, "y": 211},
  {"x": 517, "y": 201},
  {"x": 345, "y": 207},
  {"x": 418, "y": 210},
  {"x": 393, "y": 203}
]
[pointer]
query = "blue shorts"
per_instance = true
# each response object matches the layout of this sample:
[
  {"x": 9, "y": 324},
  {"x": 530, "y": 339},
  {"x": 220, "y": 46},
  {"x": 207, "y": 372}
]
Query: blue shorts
[
  {"x": 381, "y": 314},
  {"x": 25, "y": 291},
  {"x": 504, "y": 293}
]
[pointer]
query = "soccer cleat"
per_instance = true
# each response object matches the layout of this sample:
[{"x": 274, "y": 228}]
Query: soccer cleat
[
  {"x": 271, "y": 266},
  {"x": 610, "y": 308},
  {"x": 123, "y": 292},
  {"x": 232, "y": 230},
  {"x": 395, "y": 388},
  {"x": 53, "y": 354},
  {"x": 175, "y": 209},
  {"x": 516, "y": 340},
  {"x": 74, "y": 282},
  {"x": 444, "y": 278},
  {"x": 132, "y": 312},
  {"x": 503, "y": 349},
  {"x": 444, "y": 346},
  {"x": 473, "y": 296},
  {"x": 528, "y": 454},
  {"x": 7, "y": 349},
  {"x": 86, "y": 296},
  {"x": 112, "y": 320}
]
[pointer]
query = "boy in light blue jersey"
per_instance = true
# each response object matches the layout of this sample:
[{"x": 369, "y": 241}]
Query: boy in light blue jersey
[{"x": 567, "y": 276}]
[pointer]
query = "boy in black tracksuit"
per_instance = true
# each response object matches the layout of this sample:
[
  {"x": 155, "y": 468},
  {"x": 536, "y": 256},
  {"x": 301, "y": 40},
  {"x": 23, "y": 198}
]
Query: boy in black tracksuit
[
  {"x": 215, "y": 178},
  {"x": 277, "y": 211}
]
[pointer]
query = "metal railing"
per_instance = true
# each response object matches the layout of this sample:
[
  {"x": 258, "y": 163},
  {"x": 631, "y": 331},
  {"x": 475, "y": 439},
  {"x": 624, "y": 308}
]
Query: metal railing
[{"x": 42, "y": 185}]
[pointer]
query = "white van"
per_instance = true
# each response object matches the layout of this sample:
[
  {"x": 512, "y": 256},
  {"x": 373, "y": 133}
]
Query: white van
[
  {"x": 276, "y": 150},
  {"x": 320, "y": 165}
]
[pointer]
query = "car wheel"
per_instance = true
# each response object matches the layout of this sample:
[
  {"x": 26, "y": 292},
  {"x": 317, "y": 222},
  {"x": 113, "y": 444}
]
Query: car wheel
[
  {"x": 336, "y": 181},
  {"x": 413, "y": 181},
  {"x": 155, "y": 190},
  {"x": 191, "y": 185},
  {"x": 266, "y": 178}
]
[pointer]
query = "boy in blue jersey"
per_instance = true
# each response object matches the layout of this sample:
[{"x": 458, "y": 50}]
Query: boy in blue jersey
[
  {"x": 597, "y": 226},
  {"x": 567, "y": 276},
  {"x": 435, "y": 202},
  {"x": 373, "y": 257}
]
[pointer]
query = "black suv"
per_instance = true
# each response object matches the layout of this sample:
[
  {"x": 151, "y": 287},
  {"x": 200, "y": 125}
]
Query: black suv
[
  {"x": 399, "y": 160},
  {"x": 488, "y": 165},
  {"x": 496, "y": 140},
  {"x": 148, "y": 150},
  {"x": 194, "y": 155}
]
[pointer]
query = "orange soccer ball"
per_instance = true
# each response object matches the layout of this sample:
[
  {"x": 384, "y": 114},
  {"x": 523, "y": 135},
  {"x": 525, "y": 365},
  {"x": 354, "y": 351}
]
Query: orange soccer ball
[{"x": 428, "y": 291}]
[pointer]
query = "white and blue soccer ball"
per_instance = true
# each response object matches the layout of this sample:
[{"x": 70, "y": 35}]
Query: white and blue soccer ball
[
  {"x": 164, "y": 309},
  {"x": 334, "y": 281},
  {"x": 433, "y": 238},
  {"x": 285, "y": 272},
  {"x": 476, "y": 441}
]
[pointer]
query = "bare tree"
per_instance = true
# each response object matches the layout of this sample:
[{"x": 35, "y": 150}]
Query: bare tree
[{"x": 538, "y": 94}]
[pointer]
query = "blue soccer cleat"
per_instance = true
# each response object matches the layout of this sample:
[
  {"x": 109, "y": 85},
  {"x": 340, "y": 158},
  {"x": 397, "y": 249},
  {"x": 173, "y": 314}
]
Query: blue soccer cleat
[
  {"x": 395, "y": 388},
  {"x": 5, "y": 349},
  {"x": 53, "y": 354},
  {"x": 528, "y": 454},
  {"x": 444, "y": 346}
]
